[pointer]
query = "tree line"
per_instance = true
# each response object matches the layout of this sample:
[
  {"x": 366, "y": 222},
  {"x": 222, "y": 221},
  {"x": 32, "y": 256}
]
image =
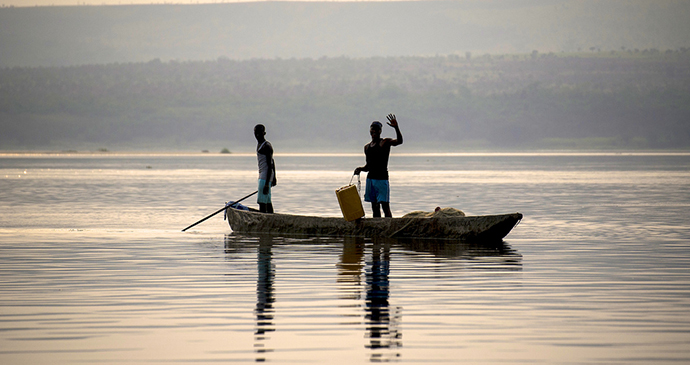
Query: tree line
[{"x": 612, "y": 99}]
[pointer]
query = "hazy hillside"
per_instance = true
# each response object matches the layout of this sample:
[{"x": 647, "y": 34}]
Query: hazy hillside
[
  {"x": 610, "y": 100},
  {"x": 58, "y": 36}
]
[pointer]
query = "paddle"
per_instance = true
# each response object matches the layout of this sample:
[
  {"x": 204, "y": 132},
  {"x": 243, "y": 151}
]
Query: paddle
[{"x": 219, "y": 210}]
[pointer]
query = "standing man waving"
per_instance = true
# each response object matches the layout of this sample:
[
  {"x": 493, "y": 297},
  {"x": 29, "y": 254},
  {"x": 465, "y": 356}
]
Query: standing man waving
[
  {"x": 377, "y": 152},
  {"x": 267, "y": 169}
]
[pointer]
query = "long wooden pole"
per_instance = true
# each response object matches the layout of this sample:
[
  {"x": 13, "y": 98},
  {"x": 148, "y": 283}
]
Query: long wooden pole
[{"x": 219, "y": 210}]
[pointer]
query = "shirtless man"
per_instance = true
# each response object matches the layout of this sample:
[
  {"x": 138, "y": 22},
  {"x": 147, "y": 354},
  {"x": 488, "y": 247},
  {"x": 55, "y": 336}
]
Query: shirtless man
[{"x": 377, "y": 152}]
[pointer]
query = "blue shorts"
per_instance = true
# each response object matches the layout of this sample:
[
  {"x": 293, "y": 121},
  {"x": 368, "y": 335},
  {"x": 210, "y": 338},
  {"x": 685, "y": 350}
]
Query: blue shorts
[
  {"x": 378, "y": 191},
  {"x": 264, "y": 198}
]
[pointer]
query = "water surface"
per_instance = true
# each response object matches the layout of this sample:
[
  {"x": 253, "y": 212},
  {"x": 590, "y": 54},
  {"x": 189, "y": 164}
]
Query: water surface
[{"x": 94, "y": 267}]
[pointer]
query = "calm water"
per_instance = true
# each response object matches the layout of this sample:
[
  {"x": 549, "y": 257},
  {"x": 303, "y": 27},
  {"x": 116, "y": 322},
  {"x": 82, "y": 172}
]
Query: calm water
[{"x": 94, "y": 268}]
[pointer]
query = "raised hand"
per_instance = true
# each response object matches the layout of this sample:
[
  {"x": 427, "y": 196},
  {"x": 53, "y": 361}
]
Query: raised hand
[{"x": 392, "y": 121}]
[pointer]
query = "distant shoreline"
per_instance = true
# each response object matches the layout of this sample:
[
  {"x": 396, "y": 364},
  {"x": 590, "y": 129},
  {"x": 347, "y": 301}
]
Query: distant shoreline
[{"x": 553, "y": 152}]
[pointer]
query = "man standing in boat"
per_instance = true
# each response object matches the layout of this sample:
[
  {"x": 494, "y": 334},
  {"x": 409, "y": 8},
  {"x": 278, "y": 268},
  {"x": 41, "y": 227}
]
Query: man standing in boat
[
  {"x": 377, "y": 152},
  {"x": 267, "y": 169}
]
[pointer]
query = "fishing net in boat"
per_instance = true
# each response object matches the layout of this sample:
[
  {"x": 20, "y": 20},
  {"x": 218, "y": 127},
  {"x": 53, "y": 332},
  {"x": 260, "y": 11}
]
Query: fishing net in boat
[{"x": 438, "y": 212}]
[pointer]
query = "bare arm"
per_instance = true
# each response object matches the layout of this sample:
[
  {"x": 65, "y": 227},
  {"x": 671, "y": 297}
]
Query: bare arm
[
  {"x": 393, "y": 122},
  {"x": 365, "y": 167}
]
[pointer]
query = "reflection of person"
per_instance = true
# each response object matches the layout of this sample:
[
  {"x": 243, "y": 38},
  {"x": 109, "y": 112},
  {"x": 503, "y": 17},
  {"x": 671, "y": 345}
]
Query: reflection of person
[
  {"x": 382, "y": 319},
  {"x": 264, "y": 297},
  {"x": 267, "y": 169},
  {"x": 377, "y": 152}
]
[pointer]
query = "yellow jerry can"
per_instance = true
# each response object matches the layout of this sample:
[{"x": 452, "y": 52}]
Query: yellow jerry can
[{"x": 350, "y": 202}]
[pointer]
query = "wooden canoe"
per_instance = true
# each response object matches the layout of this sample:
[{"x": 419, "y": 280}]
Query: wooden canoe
[{"x": 472, "y": 228}]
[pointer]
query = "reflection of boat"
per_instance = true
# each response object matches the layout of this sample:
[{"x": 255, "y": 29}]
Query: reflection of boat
[
  {"x": 501, "y": 252},
  {"x": 473, "y": 228},
  {"x": 363, "y": 278}
]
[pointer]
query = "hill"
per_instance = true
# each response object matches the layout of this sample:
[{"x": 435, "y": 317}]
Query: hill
[{"x": 630, "y": 99}]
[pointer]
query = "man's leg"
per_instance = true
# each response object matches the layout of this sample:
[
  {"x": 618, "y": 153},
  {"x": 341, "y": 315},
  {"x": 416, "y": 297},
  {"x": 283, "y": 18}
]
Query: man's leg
[
  {"x": 383, "y": 197},
  {"x": 387, "y": 209},
  {"x": 267, "y": 206},
  {"x": 376, "y": 209}
]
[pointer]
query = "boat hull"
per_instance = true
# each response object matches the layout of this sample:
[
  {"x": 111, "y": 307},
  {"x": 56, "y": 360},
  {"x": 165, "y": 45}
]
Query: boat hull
[{"x": 473, "y": 228}]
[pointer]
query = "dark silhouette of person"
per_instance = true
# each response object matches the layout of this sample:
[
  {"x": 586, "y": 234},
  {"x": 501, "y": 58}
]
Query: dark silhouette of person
[
  {"x": 377, "y": 152},
  {"x": 267, "y": 169}
]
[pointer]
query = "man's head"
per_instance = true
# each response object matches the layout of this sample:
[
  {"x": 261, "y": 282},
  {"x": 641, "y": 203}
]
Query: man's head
[
  {"x": 260, "y": 132},
  {"x": 375, "y": 129}
]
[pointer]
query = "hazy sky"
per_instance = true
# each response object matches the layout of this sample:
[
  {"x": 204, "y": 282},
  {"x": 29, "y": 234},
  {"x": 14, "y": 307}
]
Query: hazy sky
[{"x": 6, "y": 3}]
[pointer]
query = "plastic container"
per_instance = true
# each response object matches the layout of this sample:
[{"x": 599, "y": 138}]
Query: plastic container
[{"x": 350, "y": 202}]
